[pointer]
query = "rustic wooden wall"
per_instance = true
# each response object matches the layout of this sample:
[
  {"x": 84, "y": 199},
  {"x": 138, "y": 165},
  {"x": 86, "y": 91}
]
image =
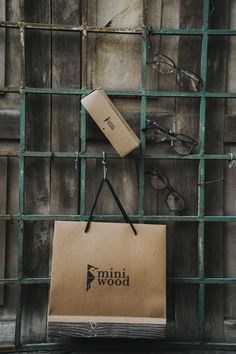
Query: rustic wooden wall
[
  {"x": 52, "y": 123},
  {"x": 9, "y": 135}
]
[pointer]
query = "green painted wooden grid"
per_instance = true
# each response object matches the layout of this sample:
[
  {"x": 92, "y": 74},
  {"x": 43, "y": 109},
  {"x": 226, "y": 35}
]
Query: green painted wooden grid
[
  {"x": 82, "y": 155},
  {"x": 202, "y": 121}
]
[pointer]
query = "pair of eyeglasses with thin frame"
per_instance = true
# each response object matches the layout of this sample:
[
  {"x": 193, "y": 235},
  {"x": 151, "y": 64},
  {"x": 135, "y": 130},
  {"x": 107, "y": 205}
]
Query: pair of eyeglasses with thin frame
[
  {"x": 159, "y": 181},
  {"x": 165, "y": 65},
  {"x": 182, "y": 144}
]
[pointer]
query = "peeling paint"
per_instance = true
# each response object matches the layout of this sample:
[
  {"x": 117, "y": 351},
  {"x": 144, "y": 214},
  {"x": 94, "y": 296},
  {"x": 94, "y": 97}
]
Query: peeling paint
[{"x": 22, "y": 36}]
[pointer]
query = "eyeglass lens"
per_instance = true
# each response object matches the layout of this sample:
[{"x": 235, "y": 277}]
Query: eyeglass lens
[
  {"x": 182, "y": 146},
  {"x": 188, "y": 80},
  {"x": 155, "y": 135},
  {"x": 175, "y": 202},
  {"x": 162, "y": 64},
  {"x": 159, "y": 181}
]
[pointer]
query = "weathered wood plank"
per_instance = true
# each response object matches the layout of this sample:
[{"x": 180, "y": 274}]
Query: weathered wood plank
[
  {"x": 214, "y": 234},
  {"x": 7, "y": 312},
  {"x": 107, "y": 330},
  {"x": 163, "y": 14},
  {"x": 229, "y": 196},
  {"x": 2, "y": 44},
  {"x": 9, "y": 173},
  {"x": 3, "y": 210},
  {"x": 103, "y": 67},
  {"x": 34, "y": 313},
  {"x": 230, "y": 128},
  {"x": 12, "y": 229},
  {"x": 13, "y": 10},
  {"x": 65, "y": 123},
  {"x": 66, "y": 12},
  {"x": 37, "y": 171},
  {"x": 185, "y": 181},
  {"x": 229, "y": 246},
  {"x": 66, "y": 47},
  {"x": 65, "y": 109},
  {"x": 9, "y": 124},
  {"x": 7, "y": 332},
  {"x": 13, "y": 50}
]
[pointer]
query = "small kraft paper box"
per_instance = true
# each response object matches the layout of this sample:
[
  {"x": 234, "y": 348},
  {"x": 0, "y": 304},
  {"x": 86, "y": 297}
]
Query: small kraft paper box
[{"x": 111, "y": 122}]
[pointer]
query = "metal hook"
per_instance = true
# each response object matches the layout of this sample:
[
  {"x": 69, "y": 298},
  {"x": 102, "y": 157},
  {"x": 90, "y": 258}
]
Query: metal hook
[
  {"x": 231, "y": 161},
  {"x": 212, "y": 7},
  {"x": 148, "y": 30},
  {"x": 104, "y": 165}
]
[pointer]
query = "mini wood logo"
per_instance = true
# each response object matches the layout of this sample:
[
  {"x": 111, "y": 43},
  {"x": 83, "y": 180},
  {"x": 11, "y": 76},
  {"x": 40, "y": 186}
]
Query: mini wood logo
[
  {"x": 109, "y": 123},
  {"x": 109, "y": 277}
]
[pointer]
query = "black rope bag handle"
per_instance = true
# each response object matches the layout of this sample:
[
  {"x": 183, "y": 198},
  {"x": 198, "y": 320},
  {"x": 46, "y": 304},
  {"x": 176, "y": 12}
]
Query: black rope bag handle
[{"x": 118, "y": 202}]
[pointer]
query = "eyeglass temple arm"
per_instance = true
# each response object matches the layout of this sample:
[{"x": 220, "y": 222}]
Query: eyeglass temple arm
[
  {"x": 190, "y": 74},
  {"x": 193, "y": 141},
  {"x": 154, "y": 124}
]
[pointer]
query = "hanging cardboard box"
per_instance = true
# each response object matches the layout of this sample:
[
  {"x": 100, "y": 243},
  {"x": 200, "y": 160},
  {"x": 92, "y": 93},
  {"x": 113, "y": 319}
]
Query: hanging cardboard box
[{"x": 111, "y": 122}]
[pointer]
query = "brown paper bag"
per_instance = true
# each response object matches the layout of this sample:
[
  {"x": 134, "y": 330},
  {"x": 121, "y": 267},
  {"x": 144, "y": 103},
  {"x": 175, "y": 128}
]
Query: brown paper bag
[{"x": 108, "y": 282}]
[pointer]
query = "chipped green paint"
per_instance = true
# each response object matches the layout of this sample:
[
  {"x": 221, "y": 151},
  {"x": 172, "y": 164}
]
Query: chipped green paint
[{"x": 201, "y": 174}]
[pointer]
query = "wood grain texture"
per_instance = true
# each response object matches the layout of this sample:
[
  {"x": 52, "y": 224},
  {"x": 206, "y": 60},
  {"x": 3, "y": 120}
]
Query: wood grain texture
[
  {"x": 65, "y": 109},
  {"x": 229, "y": 247},
  {"x": 2, "y": 43},
  {"x": 107, "y": 330},
  {"x": 214, "y": 234},
  {"x": 7, "y": 332},
  {"x": 9, "y": 124},
  {"x": 9, "y": 104},
  {"x": 230, "y": 128},
  {"x": 3, "y": 210},
  {"x": 13, "y": 68},
  {"x": 37, "y": 172},
  {"x": 34, "y": 313},
  {"x": 112, "y": 58},
  {"x": 229, "y": 195},
  {"x": 65, "y": 120},
  {"x": 186, "y": 179},
  {"x": 163, "y": 14}
]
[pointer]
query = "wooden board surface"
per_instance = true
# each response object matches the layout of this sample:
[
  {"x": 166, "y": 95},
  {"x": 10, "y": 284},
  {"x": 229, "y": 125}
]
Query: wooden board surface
[
  {"x": 37, "y": 172},
  {"x": 53, "y": 123},
  {"x": 3, "y": 210},
  {"x": 214, "y": 171},
  {"x": 2, "y": 44},
  {"x": 9, "y": 114}
]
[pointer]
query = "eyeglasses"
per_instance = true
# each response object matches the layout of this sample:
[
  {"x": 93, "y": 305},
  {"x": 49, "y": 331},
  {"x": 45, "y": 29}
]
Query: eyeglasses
[
  {"x": 159, "y": 181},
  {"x": 157, "y": 133},
  {"x": 165, "y": 65}
]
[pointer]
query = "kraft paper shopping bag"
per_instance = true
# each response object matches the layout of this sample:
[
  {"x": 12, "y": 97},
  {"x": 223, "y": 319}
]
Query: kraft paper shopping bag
[
  {"x": 108, "y": 279},
  {"x": 107, "y": 274}
]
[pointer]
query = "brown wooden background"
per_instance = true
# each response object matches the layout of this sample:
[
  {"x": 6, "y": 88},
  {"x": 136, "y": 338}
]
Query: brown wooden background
[{"x": 52, "y": 123}]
